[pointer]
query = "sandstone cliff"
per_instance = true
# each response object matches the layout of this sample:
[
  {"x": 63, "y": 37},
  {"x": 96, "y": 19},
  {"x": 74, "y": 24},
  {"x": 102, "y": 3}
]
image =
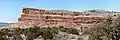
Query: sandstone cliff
[{"x": 43, "y": 18}]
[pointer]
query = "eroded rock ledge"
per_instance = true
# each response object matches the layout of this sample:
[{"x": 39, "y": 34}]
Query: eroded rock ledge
[{"x": 47, "y": 18}]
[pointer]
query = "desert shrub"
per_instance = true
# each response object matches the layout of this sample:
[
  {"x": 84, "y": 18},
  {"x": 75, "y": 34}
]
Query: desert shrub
[
  {"x": 108, "y": 30},
  {"x": 17, "y": 31},
  {"x": 70, "y": 30},
  {"x": 80, "y": 38},
  {"x": 32, "y": 33},
  {"x": 47, "y": 34},
  {"x": 2, "y": 36},
  {"x": 30, "y": 36}
]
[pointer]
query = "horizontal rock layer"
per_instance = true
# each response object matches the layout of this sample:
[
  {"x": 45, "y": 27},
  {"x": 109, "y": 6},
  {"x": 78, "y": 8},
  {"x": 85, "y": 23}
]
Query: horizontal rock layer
[{"x": 34, "y": 17}]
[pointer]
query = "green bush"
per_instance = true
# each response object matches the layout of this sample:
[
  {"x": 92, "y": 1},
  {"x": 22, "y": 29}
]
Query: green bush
[
  {"x": 2, "y": 36},
  {"x": 108, "y": 30},
  {"x": 70, "y": 30},
  {"x": 32, "y": 33}
]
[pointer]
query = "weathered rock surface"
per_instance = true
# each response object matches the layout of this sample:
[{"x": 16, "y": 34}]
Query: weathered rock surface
[{"x": 43, "y": 18}]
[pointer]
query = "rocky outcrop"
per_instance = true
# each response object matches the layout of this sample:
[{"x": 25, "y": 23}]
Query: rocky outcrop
[{"x": 47, "y": 18}]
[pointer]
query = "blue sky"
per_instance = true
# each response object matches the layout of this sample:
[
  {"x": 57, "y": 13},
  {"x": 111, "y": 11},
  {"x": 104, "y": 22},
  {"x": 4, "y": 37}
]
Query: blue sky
[{"x": 10, "y": 10}]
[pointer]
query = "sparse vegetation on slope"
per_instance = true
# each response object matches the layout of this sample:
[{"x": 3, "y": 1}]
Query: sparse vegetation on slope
[
  {"x": 33, "y": 33},
  {"x": 108, "y": 30}
]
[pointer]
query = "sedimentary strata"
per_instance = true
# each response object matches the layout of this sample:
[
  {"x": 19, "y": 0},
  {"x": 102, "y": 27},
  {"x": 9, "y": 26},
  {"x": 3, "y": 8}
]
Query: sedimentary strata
[{"x": 47, "y": 18}]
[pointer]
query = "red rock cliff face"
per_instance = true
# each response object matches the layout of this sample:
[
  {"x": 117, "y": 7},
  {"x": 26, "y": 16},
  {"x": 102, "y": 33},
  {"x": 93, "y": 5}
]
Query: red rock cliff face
[{"x": 43, "y": 18}]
